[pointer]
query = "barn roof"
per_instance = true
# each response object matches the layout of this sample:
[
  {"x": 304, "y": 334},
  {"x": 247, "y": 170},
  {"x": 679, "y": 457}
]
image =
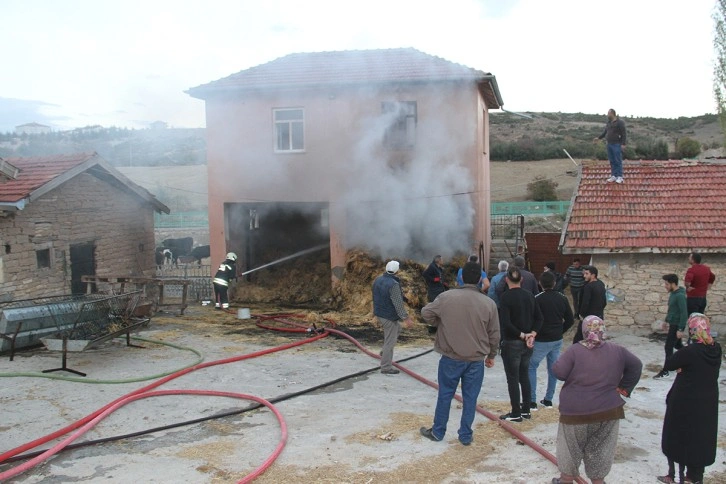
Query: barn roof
[
  {"x": 352, "y": 67},
  {"x": 38, "y": 175},
  {"x": 663, "y": 206}
]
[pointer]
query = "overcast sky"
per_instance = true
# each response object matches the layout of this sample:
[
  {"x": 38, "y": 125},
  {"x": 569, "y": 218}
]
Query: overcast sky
[{"x": 75, "y": 63}]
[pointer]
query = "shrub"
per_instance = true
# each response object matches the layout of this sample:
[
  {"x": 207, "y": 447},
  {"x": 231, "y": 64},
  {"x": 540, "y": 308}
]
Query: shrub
[
  {"x": 687, "y": 147},
  {"x": 542, "y": 189}
]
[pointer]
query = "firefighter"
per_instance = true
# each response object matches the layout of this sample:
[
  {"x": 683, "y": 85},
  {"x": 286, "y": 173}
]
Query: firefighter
[{"x": 227, "y": 270}]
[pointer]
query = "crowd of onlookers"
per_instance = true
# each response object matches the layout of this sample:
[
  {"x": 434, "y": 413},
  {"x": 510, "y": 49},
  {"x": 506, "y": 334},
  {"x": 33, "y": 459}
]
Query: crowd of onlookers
[{"x": 524, "y": 318}]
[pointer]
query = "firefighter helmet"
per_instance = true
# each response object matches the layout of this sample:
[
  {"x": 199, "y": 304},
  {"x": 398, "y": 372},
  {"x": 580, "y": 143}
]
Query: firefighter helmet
[{"x": 232, "y": 256}]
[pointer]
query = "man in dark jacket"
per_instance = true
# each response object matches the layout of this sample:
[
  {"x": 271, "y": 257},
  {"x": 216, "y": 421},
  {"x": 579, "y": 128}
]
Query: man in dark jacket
[
  {"x": 226, "y": 272},
  {"x": 520, "y": 320},
  {"x": 556, "y": 319},
  {"x": 593, "y": 299},
  {"x": 615, "y": 136},
  {"x": 529, "y": 282},
  {"x": 388, "y": 308},
  {"x": 434, "y": 277},
  {"x": 676, "y": 317}
]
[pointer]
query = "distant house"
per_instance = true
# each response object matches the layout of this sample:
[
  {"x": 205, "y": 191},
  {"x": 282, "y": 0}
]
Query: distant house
[
  {"x": 32, "y": 128},
  {"x": 646, "y": 227},
  {"x": 300, "y": 148},
  {"x": 65, "y": 216}
]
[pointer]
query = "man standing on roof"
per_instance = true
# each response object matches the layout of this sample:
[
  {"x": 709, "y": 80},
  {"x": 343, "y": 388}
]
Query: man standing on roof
[
  {"x": 698, "y": 281},
  {"x": 388, "y": 309},
  {"x": 615, "y": 136},
  {"x": 226, "y": 272}
]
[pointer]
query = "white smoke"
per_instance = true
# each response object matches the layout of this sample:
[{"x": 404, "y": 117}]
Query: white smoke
[{"x": 412, "y": 205}]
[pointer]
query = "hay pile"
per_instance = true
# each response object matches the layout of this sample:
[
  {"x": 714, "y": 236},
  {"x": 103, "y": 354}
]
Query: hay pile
[{"x": 307, "y": 282}]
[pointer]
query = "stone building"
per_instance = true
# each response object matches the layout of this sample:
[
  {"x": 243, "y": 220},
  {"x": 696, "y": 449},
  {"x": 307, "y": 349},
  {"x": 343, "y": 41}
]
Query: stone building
[
  {"x": 646, "y": 227},
  {"x": 65, "y": 216}
]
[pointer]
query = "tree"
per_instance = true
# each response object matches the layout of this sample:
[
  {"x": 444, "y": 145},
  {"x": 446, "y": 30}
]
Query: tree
[
  {"x": 542, "y": 189},
  {"x": 719, "y": 67},
  {"x": 687, "y": 147}
]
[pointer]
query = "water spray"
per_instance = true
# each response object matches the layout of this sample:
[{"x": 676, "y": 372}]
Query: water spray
[{"x": 296, "y": 254}]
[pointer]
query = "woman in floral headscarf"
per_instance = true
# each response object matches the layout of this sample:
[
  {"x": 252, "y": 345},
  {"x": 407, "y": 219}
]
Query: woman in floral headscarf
[
  {"x": 691, "y": 420},
  {"x": 596, "y": 373}
]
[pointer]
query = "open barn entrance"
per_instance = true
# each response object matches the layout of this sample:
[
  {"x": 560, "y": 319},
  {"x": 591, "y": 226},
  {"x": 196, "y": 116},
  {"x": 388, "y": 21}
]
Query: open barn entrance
[{"x": 265, "y": 232}]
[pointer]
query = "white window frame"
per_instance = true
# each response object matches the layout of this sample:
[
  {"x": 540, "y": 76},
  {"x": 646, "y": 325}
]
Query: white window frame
[
  {"x": 401, "y": 133},
  {"x": 290, "y": 125}
]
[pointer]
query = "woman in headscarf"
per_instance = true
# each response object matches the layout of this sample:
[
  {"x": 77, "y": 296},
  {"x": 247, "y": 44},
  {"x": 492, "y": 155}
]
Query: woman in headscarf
[
  {"x": 597, "y": 374},
  {"x": 690, "y": 426}
]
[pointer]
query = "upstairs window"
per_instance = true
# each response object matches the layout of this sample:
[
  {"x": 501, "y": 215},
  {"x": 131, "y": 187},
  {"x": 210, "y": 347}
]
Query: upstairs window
[
  {"x": 289, "y": 130},
  {"x": 42, "y": 257},
  {"x": 401, "y": 129}
]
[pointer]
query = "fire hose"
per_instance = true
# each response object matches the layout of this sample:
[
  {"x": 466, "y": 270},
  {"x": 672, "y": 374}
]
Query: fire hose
[{"x": 89, "y": 421}]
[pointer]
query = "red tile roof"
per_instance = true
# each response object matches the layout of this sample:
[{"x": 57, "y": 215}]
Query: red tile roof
[
  {"x": 36, "y": 172},
  {"x": 350, "y": 67},
  {"x": 663, "y": 206},
  {"x": 40, "y": 174}
]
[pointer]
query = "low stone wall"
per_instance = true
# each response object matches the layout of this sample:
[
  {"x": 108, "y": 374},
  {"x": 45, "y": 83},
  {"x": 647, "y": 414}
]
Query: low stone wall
[{"x": 638, "y": 278}]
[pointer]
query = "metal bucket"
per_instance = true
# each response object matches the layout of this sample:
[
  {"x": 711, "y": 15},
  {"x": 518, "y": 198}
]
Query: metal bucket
[{"x": 243, "y": 313}]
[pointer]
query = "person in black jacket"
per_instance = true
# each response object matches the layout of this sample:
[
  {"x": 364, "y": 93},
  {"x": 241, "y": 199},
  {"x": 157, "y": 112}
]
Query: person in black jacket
[
  {"x": 521, "y": 320},
  {"x": 690, "y": 427},
  {"x": 556, "y": 319},
  {"x": 226, "y": 272},
  {"x": 434, "y": 277},
  {"x": 593, "y": 299}
]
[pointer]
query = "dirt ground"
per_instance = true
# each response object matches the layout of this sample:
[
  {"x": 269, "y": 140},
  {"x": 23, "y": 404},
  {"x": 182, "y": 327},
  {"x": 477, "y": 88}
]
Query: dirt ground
[{"x": 345, "y": 421}]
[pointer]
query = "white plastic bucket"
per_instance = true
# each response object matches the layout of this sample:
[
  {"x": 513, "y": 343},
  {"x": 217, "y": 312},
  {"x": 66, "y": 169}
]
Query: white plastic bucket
[{"x": 243, "y": 313}]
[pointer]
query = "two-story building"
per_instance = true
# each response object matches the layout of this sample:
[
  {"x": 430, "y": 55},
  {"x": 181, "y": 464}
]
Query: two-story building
[{"x": 387, "y": 150}]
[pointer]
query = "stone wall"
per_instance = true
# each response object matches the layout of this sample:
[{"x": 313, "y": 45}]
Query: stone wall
[
  {"x": 83, "y": 210},
  {"x": 638, "y": 278}
]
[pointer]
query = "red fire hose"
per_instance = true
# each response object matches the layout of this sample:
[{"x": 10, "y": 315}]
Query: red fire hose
[{"x": 89, "y": 421}]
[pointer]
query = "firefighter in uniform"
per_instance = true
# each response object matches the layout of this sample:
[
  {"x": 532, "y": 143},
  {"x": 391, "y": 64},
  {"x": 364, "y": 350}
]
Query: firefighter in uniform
[{"x": 227, "y": 271}]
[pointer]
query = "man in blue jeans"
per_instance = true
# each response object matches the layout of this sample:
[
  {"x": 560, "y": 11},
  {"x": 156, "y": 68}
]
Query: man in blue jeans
[
  {"x": 467, "y": 338},
  {"x": 557, "y": 318},
  {"x": 615, "y": 136}
]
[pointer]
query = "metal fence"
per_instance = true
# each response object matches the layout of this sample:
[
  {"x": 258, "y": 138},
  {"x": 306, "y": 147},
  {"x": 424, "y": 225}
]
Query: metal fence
[
  {"x": 529, "y": 208},
  {"x": 179, "y": 220},
  {"x": 200, "y": 276}
]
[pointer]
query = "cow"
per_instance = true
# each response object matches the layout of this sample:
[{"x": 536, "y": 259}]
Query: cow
[
  {"x": 162, "y": 256},
  {"x": 178, "y": 247},
  {"x": 200, "y": 253}
]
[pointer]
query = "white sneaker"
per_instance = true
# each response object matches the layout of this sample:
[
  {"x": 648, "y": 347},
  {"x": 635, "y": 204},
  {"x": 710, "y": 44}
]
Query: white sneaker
[
  {"x": 611, "y": 179},
  {"x": 619, "y": 179}
]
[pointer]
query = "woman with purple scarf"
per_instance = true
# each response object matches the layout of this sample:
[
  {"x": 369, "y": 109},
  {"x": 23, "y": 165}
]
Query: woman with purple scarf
[
  {"x": 690, "y": 427},
  {"x": 597, "y": 374}
]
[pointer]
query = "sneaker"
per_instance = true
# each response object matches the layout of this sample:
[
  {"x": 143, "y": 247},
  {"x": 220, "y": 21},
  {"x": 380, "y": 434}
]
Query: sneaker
[
  {"x": 392, "y": 371},
  {"x": 611, "y": 179},
  {"x": 429, "y": 434},
  {"x": 465, "y": 443},
  {"x": 667, "y": 479},
  {"x": 526, "y": 415},
  {"x": 533, "y": 407},
  {"x": 546, "y": 403},
  {"x": 661, "y": 374},
  {"x": 619, "y": 179},
  {"x": 509, "y": 417}
]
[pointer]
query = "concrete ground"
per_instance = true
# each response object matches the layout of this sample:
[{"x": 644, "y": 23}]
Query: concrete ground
[{"x": 362, "y": 429}]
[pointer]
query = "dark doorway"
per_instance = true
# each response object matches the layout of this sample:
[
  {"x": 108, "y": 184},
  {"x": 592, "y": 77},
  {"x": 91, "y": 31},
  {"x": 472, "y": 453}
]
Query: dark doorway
[{"x": 83, "y": 263}]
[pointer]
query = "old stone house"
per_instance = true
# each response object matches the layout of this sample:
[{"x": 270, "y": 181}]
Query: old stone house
[
  {"x": 646, "y": 227},
  {"x": 378, "y": 149},
  {"x": 65, "y": 216}
]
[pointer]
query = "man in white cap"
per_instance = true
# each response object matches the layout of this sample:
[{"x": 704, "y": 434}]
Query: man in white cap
[{"x": 388, "y": 308}]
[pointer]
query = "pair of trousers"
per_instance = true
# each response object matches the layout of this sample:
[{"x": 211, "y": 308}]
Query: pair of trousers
[
  {"x": 451, "y": 372},
  {"x": 391, "y": 329},
  {"x": 576, "y": 295},
  {"x": 516, "y": 356},
  {"x": 220, "y": 296},
  {"x": 672, "y": 341},
  {"x": 541, "y": 350},
  {"x": 696, "y": 305},
  {"x": 615, "y": 156}
]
